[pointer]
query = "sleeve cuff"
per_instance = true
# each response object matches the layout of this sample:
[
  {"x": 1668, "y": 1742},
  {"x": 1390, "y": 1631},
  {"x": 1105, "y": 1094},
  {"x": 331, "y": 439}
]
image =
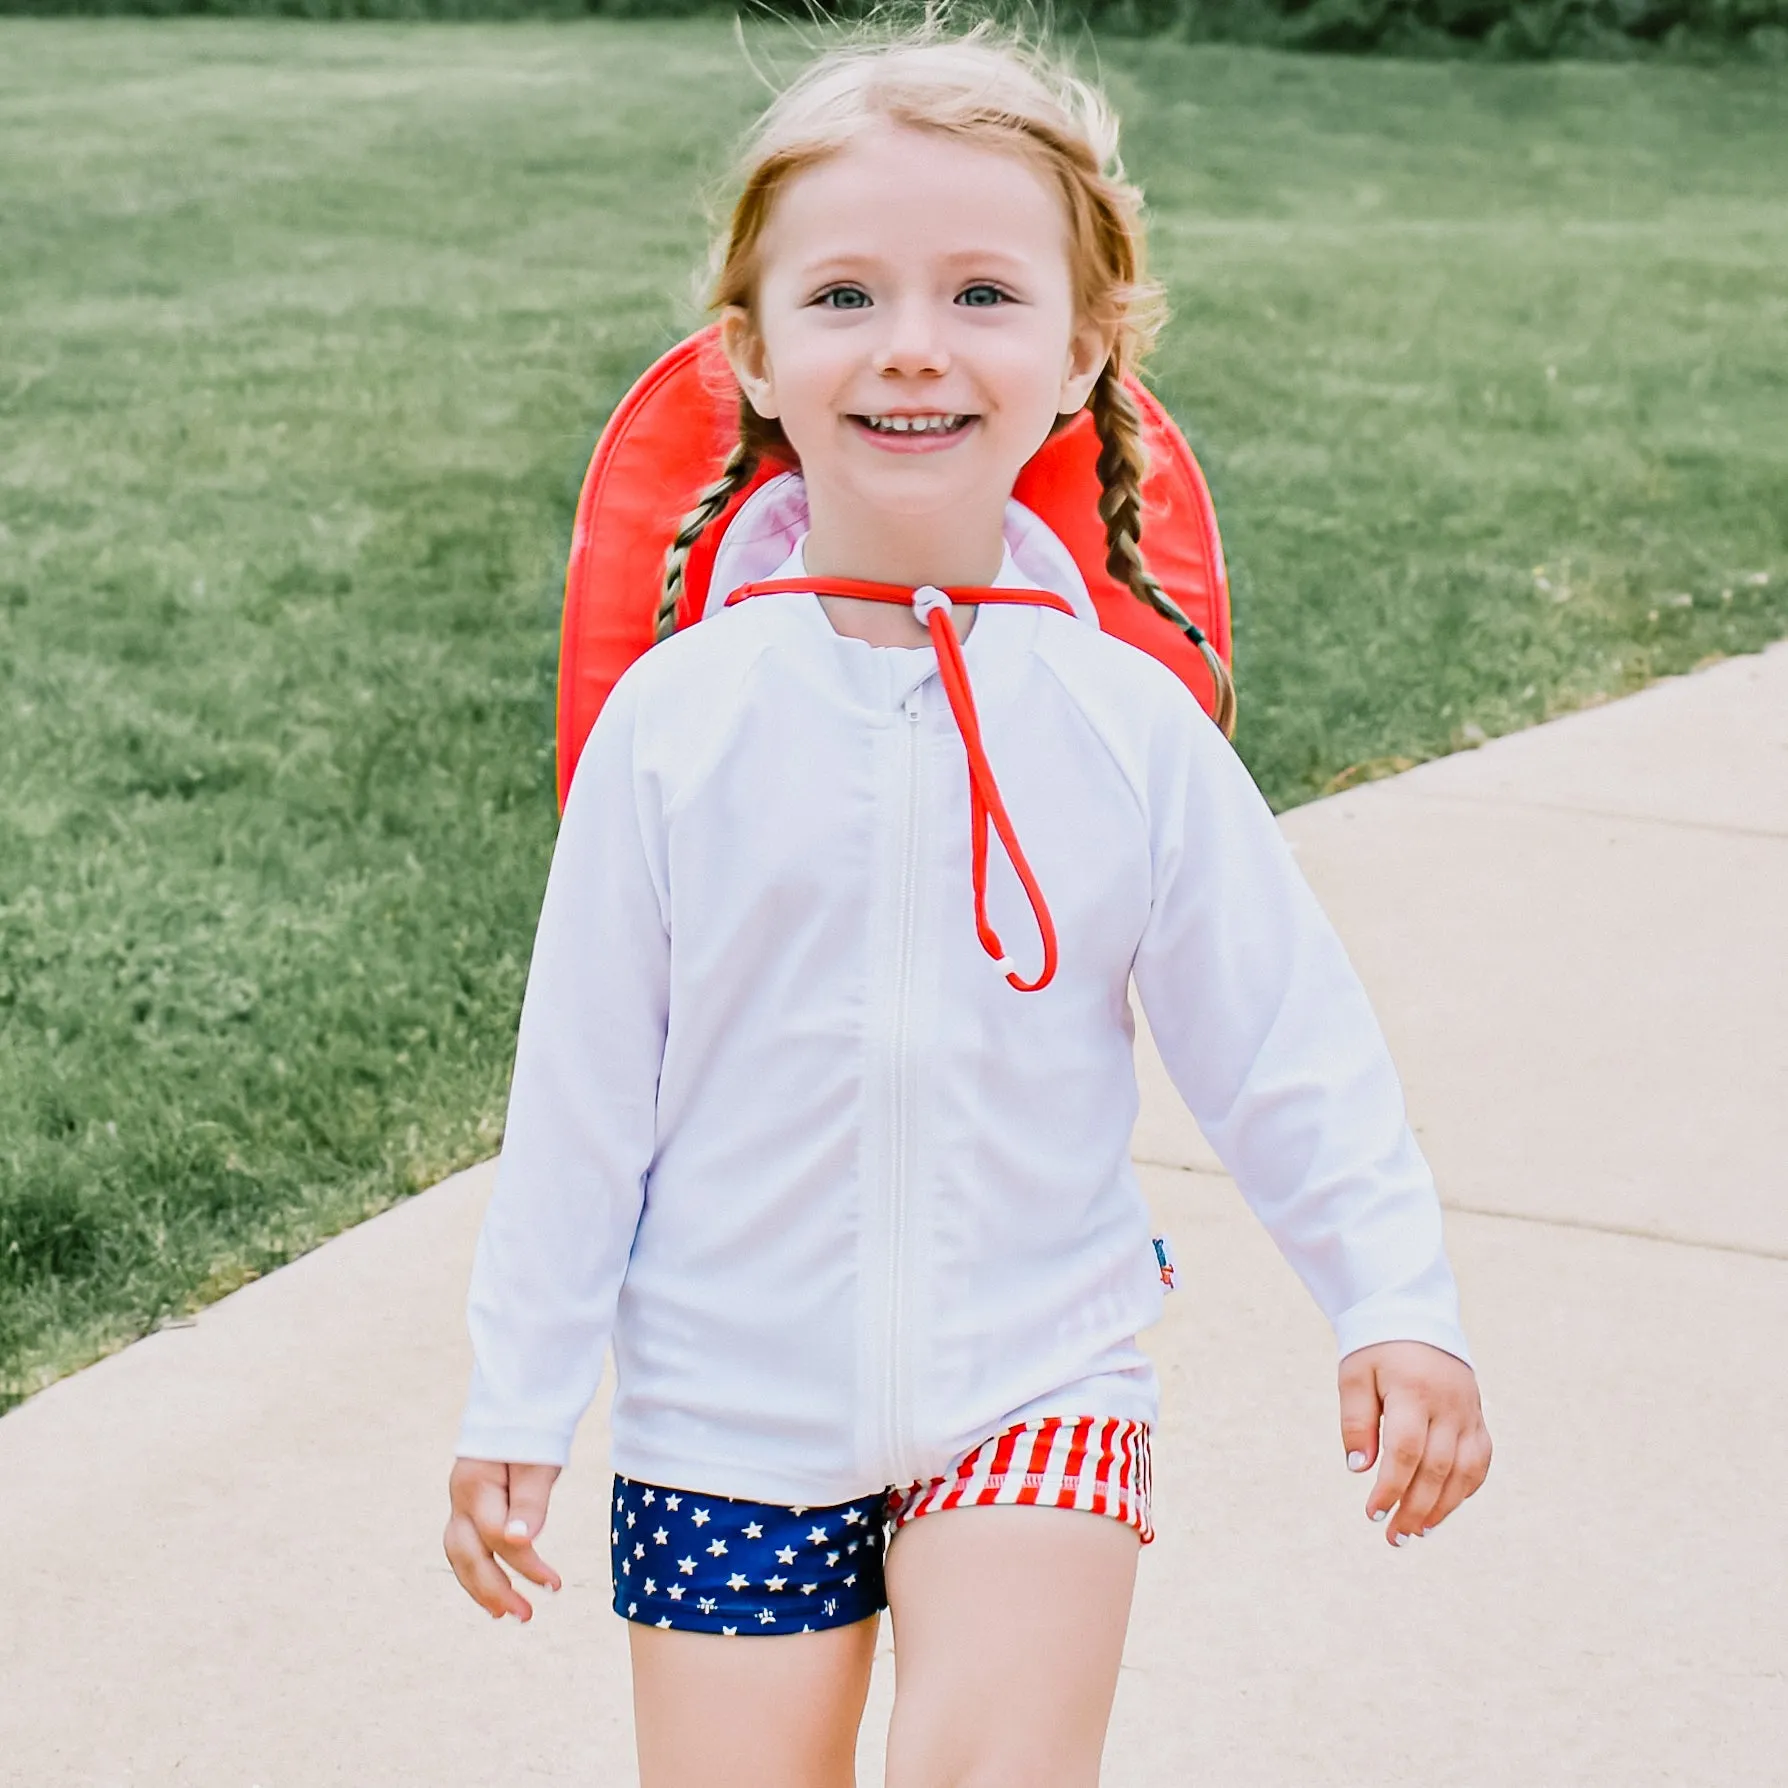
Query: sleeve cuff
[
  {"x": 1367, "y": 1326},
  {"x": 513, "y": 1445}
]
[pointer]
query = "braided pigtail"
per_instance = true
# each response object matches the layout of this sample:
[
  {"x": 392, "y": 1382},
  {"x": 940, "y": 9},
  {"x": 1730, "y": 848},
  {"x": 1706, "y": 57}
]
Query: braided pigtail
[
  {"x": 756, "y": 435},
  {"x": 1121, "y": 466}
]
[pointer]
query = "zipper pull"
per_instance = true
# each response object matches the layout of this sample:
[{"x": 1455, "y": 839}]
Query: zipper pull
[{"x": 912, "y": 707}]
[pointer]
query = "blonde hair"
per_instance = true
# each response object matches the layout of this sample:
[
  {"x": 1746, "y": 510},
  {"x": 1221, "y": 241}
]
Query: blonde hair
[{"x": 986, "y": 85}]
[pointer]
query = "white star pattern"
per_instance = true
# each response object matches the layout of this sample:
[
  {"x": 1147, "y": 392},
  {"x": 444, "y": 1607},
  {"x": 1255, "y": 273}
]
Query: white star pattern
[
  {"x": 729, "y": 1632},
  {"x": 745, "y": 1537}
]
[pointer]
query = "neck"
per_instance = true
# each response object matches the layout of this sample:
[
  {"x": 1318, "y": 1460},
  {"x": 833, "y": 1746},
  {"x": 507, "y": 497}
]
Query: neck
[{"x": 904, "y": 549}]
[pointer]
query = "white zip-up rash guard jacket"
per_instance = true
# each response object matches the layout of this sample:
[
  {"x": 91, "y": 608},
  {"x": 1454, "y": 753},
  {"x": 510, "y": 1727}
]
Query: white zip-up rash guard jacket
[{"x": 844, "y": 1200}]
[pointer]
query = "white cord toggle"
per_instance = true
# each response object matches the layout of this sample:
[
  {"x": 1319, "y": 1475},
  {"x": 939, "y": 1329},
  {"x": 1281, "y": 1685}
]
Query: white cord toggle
[
  {"x": 1006, "y": 966},
  {"x": 927, "y": 600}
]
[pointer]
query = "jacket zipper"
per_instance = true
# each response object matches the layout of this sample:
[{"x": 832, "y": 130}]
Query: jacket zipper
[{"x": 900, "y": 1103}]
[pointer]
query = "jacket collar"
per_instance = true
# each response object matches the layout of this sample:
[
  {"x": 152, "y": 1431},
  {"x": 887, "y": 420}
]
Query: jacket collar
[
  {"x": 884, "y": 676},
  {"x": 772, "y": 522}
]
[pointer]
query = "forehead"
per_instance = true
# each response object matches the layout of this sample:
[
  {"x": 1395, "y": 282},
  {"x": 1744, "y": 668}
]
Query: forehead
[{"x": 898, "y": 192}]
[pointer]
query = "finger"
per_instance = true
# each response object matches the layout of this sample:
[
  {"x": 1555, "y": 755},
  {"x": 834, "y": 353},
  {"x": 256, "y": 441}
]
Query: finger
[
  {"x": 487, "y": 1506},
  {"x": 1405, "y": 1439},
  {"x": 480, "y": 1576},
  {"x": 530, "y": 1486},
  {"x": 1360, "y": 1410},
  {"x": 1415, "y": 1510},
  {"x": 489, "y": 1512},
  {"x": 1452, "y": 1493},
  {"x": 1471, "y": 1465}
]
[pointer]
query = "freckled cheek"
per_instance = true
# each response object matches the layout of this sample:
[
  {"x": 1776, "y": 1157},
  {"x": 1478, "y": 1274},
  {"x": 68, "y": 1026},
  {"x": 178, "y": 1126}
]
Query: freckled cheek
[
  {"x": 815, "y": 379},
  {"x": 805, "y": 404},
  {"x": 818, "y": 413},
  {"x": 1024, "y": 374}
]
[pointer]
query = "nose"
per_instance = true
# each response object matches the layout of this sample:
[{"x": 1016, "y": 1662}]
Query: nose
[{"x": 913, "y": 344}]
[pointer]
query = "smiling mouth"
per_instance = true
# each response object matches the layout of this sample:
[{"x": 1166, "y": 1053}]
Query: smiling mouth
[{"x": 932, "y": 425}]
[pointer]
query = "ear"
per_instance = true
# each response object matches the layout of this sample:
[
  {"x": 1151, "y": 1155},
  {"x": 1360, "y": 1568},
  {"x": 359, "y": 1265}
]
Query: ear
[
  {"x": 744, "y": 350},
  {"x": 1089, "y": 347}
]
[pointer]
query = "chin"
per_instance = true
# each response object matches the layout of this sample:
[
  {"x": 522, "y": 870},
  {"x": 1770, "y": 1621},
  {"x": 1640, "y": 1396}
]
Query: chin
[
  {"x": 921, "y": 505},
  {"x": 922, "y": 481}
]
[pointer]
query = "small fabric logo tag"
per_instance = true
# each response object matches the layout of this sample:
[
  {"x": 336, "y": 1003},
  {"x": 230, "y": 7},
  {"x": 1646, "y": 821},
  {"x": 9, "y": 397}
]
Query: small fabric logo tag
[{"x": 1164, "y": 1260}]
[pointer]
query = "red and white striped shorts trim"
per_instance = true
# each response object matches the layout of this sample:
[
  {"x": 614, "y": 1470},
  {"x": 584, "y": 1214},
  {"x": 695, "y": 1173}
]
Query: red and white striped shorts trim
[{"x": 1096, "y": 1463}]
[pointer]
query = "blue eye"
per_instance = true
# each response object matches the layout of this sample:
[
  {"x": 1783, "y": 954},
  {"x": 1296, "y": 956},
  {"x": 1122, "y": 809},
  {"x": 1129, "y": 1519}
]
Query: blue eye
[
  {"x": 850, "y": 298},
  {"x": 981, "y": 297}
]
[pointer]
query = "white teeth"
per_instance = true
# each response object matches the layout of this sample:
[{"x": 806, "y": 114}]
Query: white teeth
[{"x": 908, "y": 425}]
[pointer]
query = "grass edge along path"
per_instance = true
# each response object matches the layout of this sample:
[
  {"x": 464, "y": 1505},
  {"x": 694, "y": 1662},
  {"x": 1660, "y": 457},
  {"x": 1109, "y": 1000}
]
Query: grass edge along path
[{"x": 307, "y": 332}]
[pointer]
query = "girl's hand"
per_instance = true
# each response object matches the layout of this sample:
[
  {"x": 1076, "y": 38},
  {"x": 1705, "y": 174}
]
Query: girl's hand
[
  {"x": 498, "y": 1512},
  {"x": 1436, "y": 1449}
]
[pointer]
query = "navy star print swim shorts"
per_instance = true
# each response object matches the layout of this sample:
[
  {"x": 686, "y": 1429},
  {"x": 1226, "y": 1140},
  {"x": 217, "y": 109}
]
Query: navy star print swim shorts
[{"x": 714, "y": 1564}]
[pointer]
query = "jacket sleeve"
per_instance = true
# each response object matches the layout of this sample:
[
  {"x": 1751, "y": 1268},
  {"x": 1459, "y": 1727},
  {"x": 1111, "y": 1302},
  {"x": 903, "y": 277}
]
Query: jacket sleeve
[
  {"x": 1267, "y": 1033},
  {"x": 582, "y": 1112}
]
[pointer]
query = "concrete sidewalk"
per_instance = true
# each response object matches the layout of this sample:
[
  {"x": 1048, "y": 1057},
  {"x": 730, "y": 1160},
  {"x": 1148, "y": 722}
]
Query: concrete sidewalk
[{"x": 223, "y": 1563}]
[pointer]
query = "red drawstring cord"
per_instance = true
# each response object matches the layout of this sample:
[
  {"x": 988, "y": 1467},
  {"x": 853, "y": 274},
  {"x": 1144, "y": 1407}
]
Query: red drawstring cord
[{"x": 932, "y": 605}]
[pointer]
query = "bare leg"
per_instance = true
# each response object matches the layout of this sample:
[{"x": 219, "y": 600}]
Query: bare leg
[
  {"x": 1008, "y": 1631},
  {"x": 776, "y": 1711}
]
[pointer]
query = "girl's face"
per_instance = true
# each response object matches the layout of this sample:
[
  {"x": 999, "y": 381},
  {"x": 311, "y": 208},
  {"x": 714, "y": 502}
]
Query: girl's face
[{"x": 915, "y": 333}]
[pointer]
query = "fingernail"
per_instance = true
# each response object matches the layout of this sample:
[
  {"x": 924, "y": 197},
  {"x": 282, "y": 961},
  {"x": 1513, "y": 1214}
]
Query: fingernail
[
  {"x": 1401, "y": 1539},
  {"x": 1380, "y": 1514},
  {"x": 1356, "y": 1461},
  {"x": 517, "y": 1529}
]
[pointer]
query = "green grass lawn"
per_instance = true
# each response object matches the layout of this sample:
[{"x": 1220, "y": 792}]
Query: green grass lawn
[{"x": 305, "y": 333}]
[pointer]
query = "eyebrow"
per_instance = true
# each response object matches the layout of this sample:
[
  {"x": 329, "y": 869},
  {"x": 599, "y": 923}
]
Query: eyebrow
[{"x": 964, "y": 257}]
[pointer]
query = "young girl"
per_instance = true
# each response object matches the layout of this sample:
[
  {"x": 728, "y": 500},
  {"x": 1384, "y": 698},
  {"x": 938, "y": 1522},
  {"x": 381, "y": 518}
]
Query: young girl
[{"x": 821, "y": 1108}]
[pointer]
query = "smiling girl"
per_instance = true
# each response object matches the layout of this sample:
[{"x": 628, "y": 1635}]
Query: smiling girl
[{"x": 842, "y": 1175}]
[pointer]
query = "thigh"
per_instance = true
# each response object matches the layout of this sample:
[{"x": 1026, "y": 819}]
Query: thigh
[
  {"x": 1008, "y": 1631},
  {"x": 775, "y": 1711}
]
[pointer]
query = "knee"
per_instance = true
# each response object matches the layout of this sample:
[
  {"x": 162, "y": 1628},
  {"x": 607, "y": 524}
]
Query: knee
[
  {"x": 967, "y": 1759},
  {"x": 1011, "y": 1772}
]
